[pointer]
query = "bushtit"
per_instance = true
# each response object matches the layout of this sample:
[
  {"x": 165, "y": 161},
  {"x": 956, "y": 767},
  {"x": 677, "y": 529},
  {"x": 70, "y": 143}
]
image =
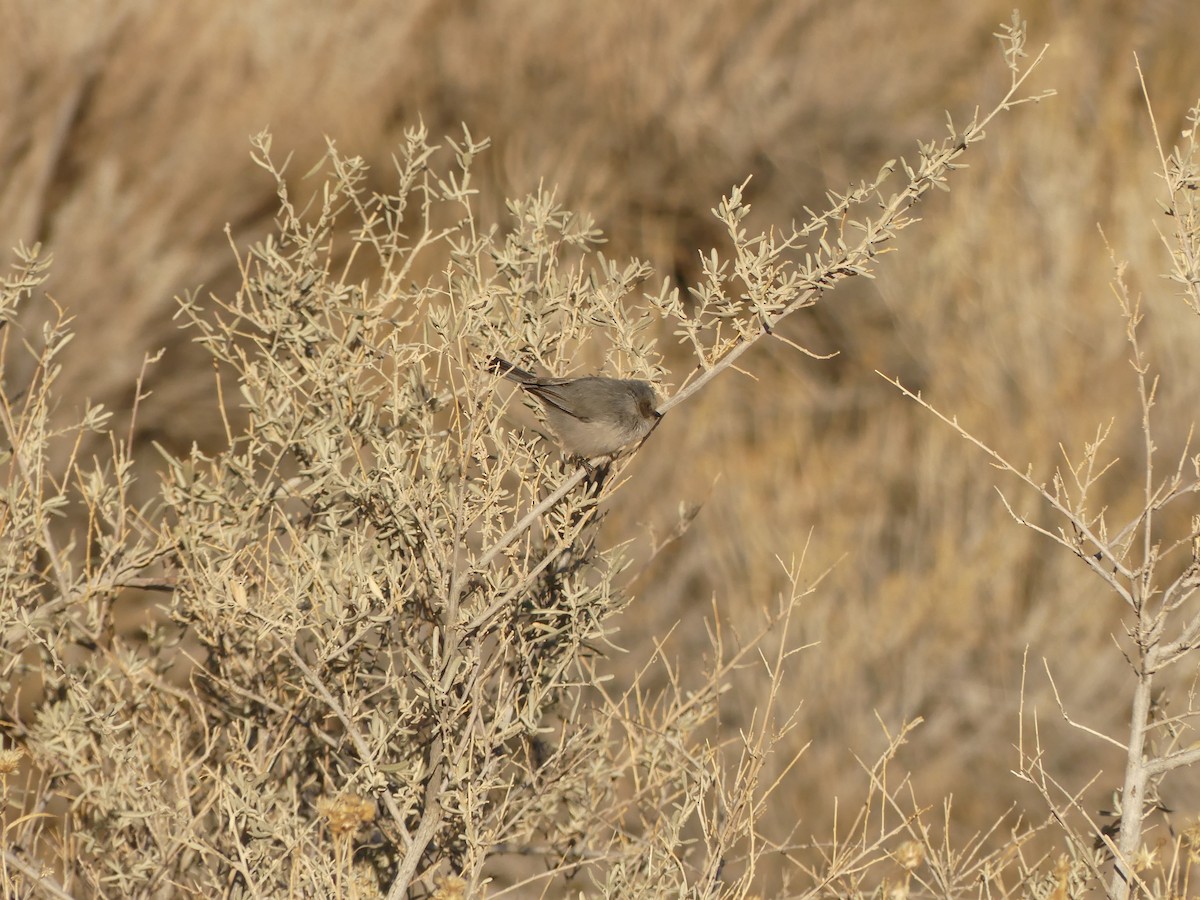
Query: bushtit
[{"x": 592, "y": 416}]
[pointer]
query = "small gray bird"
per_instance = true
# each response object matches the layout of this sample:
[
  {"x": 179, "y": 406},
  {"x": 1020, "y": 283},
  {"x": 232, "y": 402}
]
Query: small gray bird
[{"x": 592, "y": 416}]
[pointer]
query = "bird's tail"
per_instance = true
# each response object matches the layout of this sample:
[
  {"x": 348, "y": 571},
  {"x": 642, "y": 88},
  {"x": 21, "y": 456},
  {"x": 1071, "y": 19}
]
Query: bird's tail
[{"x": 509, "y": 371}]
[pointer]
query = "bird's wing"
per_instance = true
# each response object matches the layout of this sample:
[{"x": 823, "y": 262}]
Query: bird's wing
[{"x": 552, "y": 396}]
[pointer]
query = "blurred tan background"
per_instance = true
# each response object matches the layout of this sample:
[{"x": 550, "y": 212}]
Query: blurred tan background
[{"x": 123, "y": 147}]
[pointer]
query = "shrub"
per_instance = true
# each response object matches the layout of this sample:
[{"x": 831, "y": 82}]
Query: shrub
[{"x": 381, "y": 664}]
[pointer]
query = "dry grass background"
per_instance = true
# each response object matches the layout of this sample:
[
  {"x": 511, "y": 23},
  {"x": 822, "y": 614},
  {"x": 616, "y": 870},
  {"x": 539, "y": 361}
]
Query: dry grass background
[{"x": 123, "y": 141}]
